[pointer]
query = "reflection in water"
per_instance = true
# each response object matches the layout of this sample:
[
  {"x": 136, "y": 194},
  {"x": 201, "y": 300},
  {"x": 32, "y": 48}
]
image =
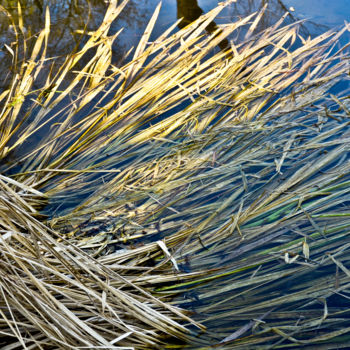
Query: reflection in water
[
  {"x": 39, "y": 4},
  {"x": 189, "y": 11},
  {"x": 69, "y": 18}
]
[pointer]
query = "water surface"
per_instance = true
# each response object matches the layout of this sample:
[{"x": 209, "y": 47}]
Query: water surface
[{"x": 68, "y": 16}]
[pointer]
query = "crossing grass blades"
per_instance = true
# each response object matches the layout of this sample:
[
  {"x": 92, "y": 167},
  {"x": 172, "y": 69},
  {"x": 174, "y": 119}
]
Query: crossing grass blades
[{"x": 191, "y": 198}]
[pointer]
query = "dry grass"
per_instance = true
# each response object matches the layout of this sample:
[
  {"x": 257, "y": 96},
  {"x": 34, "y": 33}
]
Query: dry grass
[{"x": 187, "y": 179}]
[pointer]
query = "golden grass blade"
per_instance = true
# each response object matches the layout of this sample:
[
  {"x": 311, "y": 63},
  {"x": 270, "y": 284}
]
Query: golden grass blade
[{"x": 138, "y": 61}]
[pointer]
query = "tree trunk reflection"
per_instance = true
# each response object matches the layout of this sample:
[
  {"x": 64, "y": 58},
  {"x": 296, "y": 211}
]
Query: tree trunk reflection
[{"x": 189, "y": 11}]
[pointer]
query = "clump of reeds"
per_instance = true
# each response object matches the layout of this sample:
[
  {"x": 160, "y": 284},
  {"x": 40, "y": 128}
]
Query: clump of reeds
[{"x": 193, "y": 193}]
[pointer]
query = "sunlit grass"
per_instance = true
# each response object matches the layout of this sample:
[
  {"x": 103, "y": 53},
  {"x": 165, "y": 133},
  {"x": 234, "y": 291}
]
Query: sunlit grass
[{"x": 186, "y": 179}]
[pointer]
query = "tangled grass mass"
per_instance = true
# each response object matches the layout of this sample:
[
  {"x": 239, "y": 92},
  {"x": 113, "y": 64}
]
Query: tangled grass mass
[{"x": 190, "y": 198}]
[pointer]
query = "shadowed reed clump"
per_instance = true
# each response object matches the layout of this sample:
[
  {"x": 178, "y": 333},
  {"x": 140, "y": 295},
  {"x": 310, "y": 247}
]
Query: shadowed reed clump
[{"x": 189, "y": 195}]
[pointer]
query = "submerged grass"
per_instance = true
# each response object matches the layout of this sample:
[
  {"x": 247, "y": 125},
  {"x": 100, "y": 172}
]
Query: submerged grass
[{"x": 190, "y": 193}]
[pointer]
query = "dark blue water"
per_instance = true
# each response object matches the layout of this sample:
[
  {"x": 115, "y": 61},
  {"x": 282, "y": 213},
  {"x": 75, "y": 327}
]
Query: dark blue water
[{"x": 67, "y": 16}]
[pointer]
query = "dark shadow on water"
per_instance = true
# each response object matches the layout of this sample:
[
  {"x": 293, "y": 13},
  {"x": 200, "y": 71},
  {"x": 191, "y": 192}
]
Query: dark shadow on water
[{"x": 189, "y": 11}]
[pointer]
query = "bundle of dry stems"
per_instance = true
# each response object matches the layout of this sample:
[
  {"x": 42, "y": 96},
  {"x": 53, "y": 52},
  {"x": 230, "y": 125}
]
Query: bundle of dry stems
[{"x": 196, "y": 197}]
